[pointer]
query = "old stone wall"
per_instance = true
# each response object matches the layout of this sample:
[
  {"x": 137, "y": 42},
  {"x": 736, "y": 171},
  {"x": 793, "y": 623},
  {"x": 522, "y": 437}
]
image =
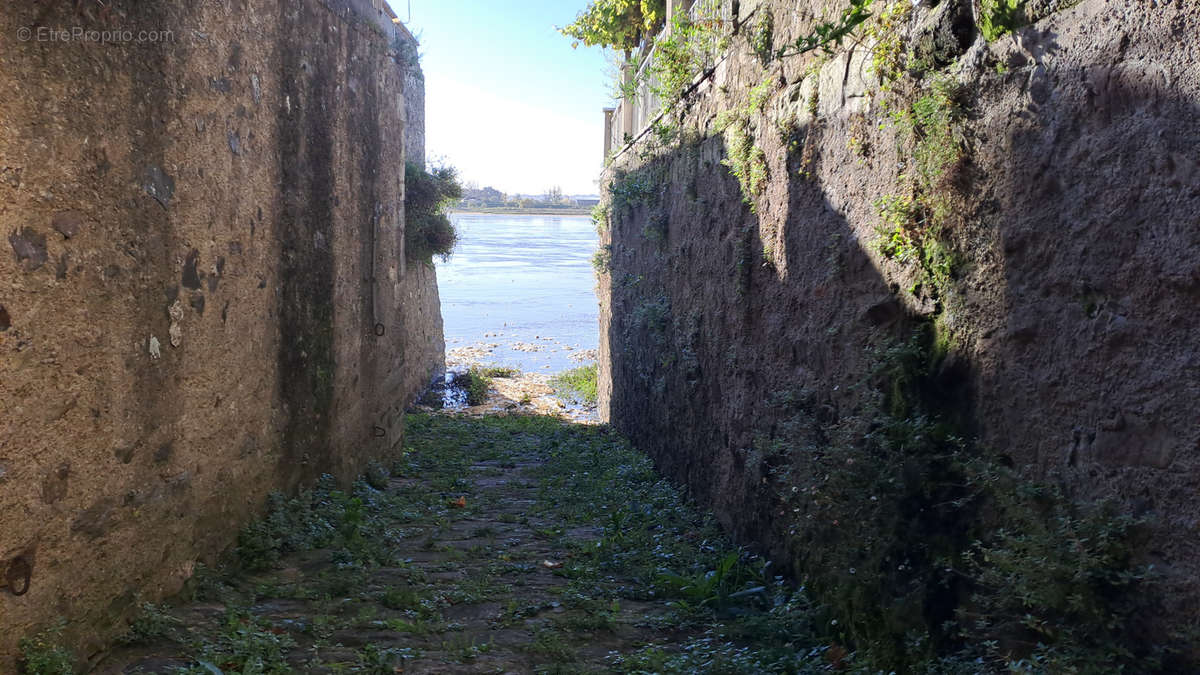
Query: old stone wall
[
  {"x": 203, "y": 294},
  {"x": 1065, "y": 321},
  {"x": 414, "y": 140}
]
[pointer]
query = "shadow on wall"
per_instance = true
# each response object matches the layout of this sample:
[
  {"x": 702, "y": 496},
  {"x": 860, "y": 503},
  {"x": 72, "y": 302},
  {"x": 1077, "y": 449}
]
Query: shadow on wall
[{"x": 758, "y": 354}]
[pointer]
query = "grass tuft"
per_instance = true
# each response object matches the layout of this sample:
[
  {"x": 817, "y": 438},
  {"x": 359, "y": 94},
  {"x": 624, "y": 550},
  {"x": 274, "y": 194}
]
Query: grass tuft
[{"x": 580, "y": 383}]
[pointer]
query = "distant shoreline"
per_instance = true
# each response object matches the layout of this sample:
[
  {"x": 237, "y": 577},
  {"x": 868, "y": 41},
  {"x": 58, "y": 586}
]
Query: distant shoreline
[{"x": 574, "y": 211}]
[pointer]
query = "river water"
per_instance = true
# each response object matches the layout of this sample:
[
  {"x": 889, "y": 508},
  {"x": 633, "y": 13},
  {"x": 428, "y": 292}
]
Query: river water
[{"x": 520, "y": 291}]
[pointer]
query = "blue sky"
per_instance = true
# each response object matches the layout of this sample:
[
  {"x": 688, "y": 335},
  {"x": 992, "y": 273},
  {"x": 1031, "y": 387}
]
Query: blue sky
[{"x": 508, "y": 101}]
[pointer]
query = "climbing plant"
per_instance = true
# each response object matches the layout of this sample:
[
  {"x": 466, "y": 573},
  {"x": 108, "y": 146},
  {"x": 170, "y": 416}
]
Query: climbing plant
[
  {"x": 827, "y": 35},
  {"x": 617, "y": 24}
]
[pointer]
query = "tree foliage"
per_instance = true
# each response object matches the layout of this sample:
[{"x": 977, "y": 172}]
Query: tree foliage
[{"x": 618, "y": 24}]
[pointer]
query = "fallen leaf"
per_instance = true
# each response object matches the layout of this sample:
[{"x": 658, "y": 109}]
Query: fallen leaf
[
  {"x": 551, "y": 565},
  {"x": 460, "y": 503}
]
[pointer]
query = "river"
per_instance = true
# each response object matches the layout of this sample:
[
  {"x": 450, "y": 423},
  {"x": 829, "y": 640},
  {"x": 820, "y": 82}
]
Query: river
[{"x": 519, "y": 291}]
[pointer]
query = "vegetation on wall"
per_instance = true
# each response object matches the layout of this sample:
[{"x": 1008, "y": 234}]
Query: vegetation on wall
[
  {"x": 763, "y": 37},
  {"x": 999, "y": 17},
  {"x": 828, "y": 35},
  {"x": 407, "y": 54},
  {"x": 618, "y": 24},
  {"x": 744, "y": 159},
  {"x": 886, "y": 32},
  {"x": 915, "y": 225},
  {"x": 679, "y": 57},
  {"x": 427, "y": 229},
  {"x": 936, "y": 557},
  {"x": 629, "y": 190},
  {"x": 929, "y": 553}
]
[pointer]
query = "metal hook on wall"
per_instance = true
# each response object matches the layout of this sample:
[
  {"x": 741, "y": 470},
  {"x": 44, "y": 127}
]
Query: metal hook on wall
[{"x": 19, "y": 576}]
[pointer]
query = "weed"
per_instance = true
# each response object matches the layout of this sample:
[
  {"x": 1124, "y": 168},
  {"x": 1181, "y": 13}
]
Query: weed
[
  {"x": 655, "y": 228},
  {"x": 320, "y": 518},
  {"x": 747, "y": 162},
  {"x": 664, "y": 132},
  {"x": 756, "y": 99},
  {"x": 499, "y": 371},
  {"x": 595, "y": 620},
  {"x": 1000, "y": 17},
  {"x": 407, "y": 54},
  {"x": 152, "y": 623},
  {"x": 246, "y": 644},
  {"x": 466, "y": 648},
  {"x": 600, "y": 218},
  {"x": 713, "y": 588},
  {"x": 377, "y": 475},
  {"x": 401, "y": 599},
  {"x": 43, "y": 653},
  {"x": 813, "y": 104},
  {"x": 900, "y": 217},
  {"x": 632, "y": 189},
  {"x": 580, "y": 383},
  {"x": 827, "y": 35},
  {"x": 689, "y": 49},
  {"x": 374, "y": 660},
  {"x": 762, "y": 39},
  {"x": 652, "y": 317},
  {"x": 915, "y": 227},
  {"x": 475, "y": 383},
  {"x": 932, "y": 124},
  {"x": 551, "y": 645},
  {"x": 914, "y": 522},
  {"x": 602, "y": 259},
  {"x": 886, "y": 29}
]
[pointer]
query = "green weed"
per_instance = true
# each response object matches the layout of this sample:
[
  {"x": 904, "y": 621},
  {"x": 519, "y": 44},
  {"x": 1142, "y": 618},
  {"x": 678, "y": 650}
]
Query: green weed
[
  {"x": 602, "y": 259},
  {"x": 499, "y": 371},
  {"x": 246, "y": 644},
  {"x": 1000, "y": 17},
  {"x": 580, "y": 383},
  {"x": 916, "y": 522},
  {"x": 551, "y": 645},
  {"x": 152, "y": 623},
  {"x": 43, "y": 653},
  {"x": 763, "y": 37},
  {"x": 475, "y": 383},
  {"x": 600, "y": 218},
  {"x": 886, "y": 29}
]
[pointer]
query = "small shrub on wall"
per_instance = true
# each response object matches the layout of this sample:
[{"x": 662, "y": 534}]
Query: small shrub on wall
[{"x": 428, "y": 230}]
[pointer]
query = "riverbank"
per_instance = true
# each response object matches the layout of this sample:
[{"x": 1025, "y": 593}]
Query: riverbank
[
  {"x": 572, "y": 211},
  {"x": 510, "y": 390}
]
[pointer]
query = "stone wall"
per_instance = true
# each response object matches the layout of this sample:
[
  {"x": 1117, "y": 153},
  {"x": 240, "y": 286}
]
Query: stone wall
[
  {"x": 408, "y": 54},
  {"x": 203, "y": 296},
  {"x": 414, "y": 140},
  {"x": 1067, "y": 322}
]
